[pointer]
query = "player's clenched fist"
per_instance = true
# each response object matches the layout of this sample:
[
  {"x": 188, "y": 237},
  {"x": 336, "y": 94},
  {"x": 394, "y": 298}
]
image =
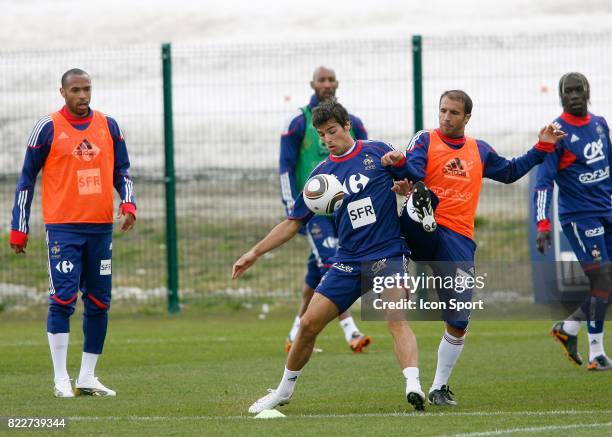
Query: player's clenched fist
[{"x": 391, "y": 158}]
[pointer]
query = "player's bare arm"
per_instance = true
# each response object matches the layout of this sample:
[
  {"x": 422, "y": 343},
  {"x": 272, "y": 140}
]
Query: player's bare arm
[{"x": 279, "y": 235}]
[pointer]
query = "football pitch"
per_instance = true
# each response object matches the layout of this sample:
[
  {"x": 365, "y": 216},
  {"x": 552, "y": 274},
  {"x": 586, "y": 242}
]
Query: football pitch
[{"x": 197, "y": 373}]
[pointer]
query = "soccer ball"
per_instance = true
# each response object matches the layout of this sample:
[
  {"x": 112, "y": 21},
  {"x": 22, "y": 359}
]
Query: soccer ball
[{"x": 323, "y": 194}]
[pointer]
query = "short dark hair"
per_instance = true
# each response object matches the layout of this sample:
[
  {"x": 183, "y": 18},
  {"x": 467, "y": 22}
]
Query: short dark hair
[
  {"x": 580, "y": 78},
  {"x": 460, "y": 96},
  {"x": 329, "y": 110},
  {"x": 72, "y": 72}
]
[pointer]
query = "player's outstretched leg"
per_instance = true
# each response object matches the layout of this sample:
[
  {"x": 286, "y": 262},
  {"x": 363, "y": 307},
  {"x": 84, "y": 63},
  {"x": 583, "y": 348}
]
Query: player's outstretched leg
[
  {"x": 406, "y": 350},
  {"x": 320, "y": 312}
]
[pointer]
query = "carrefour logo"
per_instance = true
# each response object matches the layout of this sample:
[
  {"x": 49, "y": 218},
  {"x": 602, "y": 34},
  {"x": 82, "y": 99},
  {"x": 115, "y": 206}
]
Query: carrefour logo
[
  {"x": 356, "y": 183},
  {"x": 64, "y": 267}
]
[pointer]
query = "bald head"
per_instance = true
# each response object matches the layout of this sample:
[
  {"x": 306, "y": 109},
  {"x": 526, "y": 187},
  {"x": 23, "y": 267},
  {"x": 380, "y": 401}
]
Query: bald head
[
  {"x": 322, "y": 69},
  {"x": 324, "y": 83}
]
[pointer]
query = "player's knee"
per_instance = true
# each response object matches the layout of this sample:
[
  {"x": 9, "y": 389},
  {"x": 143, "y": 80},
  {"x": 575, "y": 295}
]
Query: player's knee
[
  {"x": 94, "y": 307},
  {"x": 396, "y": 325},
  {"x": 601, "y": 283},
  {"x": 457, "y": 328},
  {"x": 58, "y": 318},
  {"x": 309, "y": 327}
]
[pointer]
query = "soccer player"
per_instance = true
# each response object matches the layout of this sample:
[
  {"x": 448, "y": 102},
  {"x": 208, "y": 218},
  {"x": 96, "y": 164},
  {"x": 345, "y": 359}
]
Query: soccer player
[
  {"x": 83, "y": 155},
  {"x": 453, "y": 165},
  {"x": 301, "y": 150},
  {"x": 581, "y": 168},
  {"x": 369, "y": 237}
]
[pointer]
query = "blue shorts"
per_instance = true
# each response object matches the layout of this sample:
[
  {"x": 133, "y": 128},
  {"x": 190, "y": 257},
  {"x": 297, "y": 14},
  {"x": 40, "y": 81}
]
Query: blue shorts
[
  {"x": 323, "y": 241},
  {"x": 449, "y": 254},
  {"x": 79, "y": 261},
  {"x": 591, "y": 239},
  {"x": 344, "y": 283}
]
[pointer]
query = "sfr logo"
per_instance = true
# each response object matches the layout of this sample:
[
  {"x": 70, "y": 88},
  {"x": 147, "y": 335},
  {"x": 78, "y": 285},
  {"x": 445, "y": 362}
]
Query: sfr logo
[{"x": 89, "y": 181}]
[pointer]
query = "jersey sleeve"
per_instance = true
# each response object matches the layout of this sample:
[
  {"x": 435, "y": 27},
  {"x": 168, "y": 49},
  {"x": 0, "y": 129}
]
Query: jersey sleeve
[
  {"x": 543, "y": 189},
  {"x": 291, "y": 140},
  {"x": 358, "y": 128},
  {"x": 121, "y": 178},
  {"x": 607, "y": 131},
  {"x": 300, "y": 211},
  {"x": 416, "y": 155},
  {"x": 38, "y": 148},
  {"x": 504, "y": 170}
]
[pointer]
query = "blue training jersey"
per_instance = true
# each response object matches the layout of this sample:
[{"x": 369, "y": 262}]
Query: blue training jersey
[
  {"x": 367, "y": 221},
  {"x": 580, "y": 167}
]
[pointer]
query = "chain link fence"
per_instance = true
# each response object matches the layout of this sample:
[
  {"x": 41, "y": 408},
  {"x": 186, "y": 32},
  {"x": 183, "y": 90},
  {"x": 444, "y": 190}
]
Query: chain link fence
[{"x": 230, "y": 104}]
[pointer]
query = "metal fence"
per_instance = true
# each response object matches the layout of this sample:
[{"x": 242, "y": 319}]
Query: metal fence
[{"x": 229, "y": 105}]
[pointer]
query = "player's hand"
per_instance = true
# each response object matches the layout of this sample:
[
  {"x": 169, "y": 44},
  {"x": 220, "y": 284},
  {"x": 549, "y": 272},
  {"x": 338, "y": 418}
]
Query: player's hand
[
  {"x": 543, "y": 240},
  {"x": 243, "y": 263},
  {"x": 128, "y": 222},
  {"x": 550, "y": 134},
  {"x": 403, "y": 188},
  {"x": 19, "y": 248},
  {"x": 391, "y": 158}
]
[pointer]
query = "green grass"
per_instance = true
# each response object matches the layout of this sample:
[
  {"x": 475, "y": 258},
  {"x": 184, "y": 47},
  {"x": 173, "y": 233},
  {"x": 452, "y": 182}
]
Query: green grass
[{"x": 197, "y": 373}]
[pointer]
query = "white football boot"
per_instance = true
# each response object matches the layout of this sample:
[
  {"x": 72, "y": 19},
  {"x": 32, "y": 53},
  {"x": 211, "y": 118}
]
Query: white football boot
[
  {"x": 92, "y": 387},
  {"x": 268, "y": 402},
  {"x": 63, "y": 389}
]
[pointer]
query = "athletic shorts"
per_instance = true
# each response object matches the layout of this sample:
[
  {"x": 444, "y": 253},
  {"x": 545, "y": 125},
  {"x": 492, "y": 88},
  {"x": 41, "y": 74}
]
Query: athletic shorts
[
  {"x": 79, "y": 261},
  {"x": 344, "y": 283},
  {"x": 591, "y": 240}
]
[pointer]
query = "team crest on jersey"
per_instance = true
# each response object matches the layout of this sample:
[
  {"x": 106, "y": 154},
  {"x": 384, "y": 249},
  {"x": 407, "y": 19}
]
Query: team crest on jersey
[
  {"x": 86, "y": 151},
  {"x": 368, "y": 163},
  {"x": 599, "y": 129},
  {"x": 594, "y": 151},
  {"x": 315, "y": 231},
  {"x": 457, "y": 169},
  {"x": 595, "y": 253},
  {"x": 55, "y": 251}
]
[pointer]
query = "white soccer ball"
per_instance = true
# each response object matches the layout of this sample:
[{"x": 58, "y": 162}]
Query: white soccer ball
[{"x": 323, "y": 194}]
